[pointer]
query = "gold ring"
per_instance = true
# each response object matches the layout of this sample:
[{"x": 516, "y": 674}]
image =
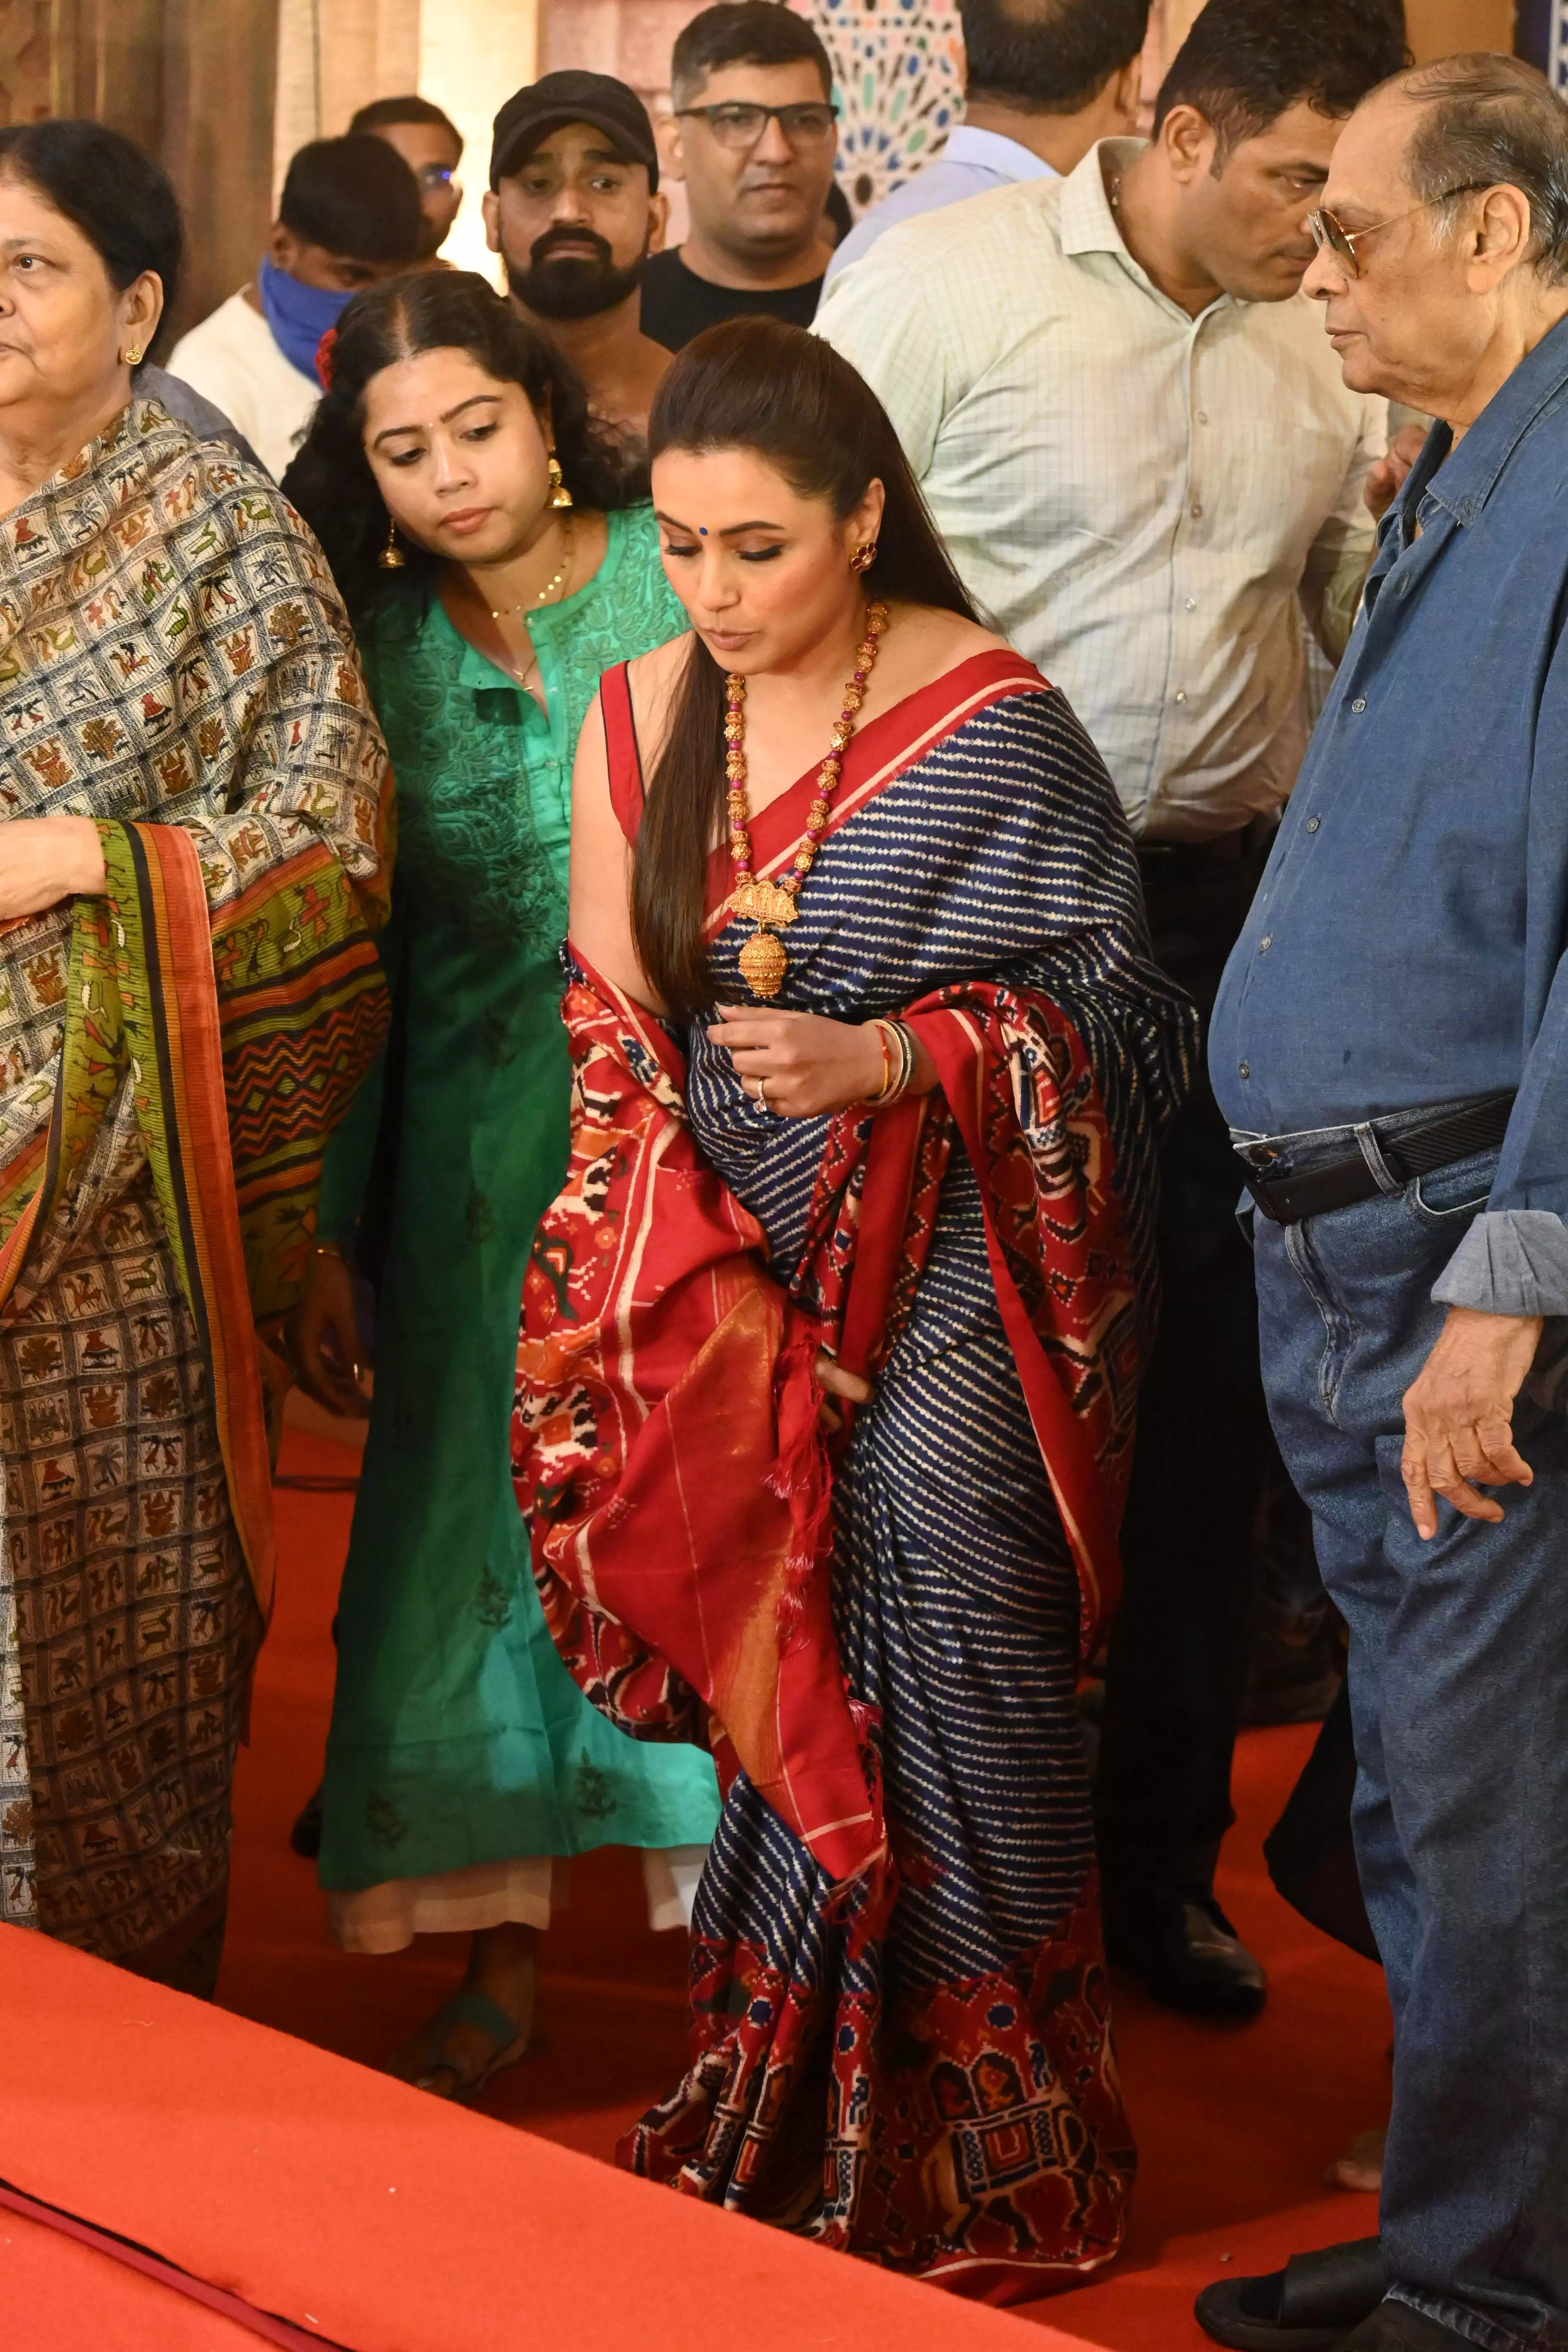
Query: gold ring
[{"x": 762, "y": 1092}]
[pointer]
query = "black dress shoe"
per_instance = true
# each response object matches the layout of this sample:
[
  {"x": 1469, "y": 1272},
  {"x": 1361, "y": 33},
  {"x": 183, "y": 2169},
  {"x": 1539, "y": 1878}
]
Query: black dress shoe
[
  {"x": 1186, "y": 1953},
  {"x": 1308, "y": 2306},
  {"x": 305, "y": 1837},
  {"x": 1396, "y": 2327}
]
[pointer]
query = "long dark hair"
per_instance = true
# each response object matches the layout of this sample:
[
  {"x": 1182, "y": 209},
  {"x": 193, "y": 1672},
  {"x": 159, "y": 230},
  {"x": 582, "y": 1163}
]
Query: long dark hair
[
  {"x": 789, "y": 398},
  {"x": 330, "y": 481}
]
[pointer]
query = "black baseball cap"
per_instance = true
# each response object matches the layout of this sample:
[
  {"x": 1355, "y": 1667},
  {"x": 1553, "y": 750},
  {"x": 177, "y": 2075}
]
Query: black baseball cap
[{"x": 573, "y": 96}]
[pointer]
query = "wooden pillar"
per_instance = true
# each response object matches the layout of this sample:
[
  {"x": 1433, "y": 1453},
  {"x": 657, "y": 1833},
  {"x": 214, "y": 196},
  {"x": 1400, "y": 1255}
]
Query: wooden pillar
[{"x": 220, "y": 60}]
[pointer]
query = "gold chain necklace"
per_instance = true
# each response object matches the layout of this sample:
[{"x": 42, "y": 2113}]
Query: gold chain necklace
[
  {"x": 771, "y": 906},
  {"x": 549, "y": 589}
]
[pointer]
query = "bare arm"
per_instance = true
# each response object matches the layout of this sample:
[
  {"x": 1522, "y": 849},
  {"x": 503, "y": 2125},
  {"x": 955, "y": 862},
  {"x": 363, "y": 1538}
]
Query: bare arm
[
  {"x": 43, "y": 859},
  {"x": 599, "y": 922}
]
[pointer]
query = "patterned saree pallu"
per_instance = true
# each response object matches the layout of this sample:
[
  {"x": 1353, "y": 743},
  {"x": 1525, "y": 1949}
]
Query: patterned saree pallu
[
  {"x": 174, "y": 663},
  {"x": 913, "y": 2065},
  {"x": 677, "y": 1548}
]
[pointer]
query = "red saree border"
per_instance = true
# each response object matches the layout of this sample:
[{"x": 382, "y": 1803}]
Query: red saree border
[
  {"x": 201, "y": 1160},
  {"x": 878, "y": 752}
]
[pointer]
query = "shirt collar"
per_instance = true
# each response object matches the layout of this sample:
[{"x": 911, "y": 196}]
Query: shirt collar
[
  {"x": 1088, "y": 223},
  {"x": 1470, "y": 474},
  {"x": 968, "y": 145}
]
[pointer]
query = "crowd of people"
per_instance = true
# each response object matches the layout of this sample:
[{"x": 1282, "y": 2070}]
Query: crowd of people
[{"x": 868, "y": 899}]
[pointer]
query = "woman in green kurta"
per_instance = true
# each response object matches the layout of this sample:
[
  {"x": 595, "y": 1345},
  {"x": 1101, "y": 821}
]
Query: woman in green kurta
[{"x": 464, "y": 1765}]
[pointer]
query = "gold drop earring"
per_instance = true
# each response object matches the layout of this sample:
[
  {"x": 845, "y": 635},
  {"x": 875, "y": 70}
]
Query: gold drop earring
[
  {"x": 560, "y": 496},
  {"x": 392, "y": 558}
]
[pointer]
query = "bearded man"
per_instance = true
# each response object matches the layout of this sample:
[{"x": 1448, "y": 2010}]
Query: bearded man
[{"x": 574, "y": 210}]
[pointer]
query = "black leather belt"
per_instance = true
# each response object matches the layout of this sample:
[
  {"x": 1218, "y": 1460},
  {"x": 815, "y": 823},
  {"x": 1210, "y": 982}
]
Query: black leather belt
[{"x": 1418, "y": 1148}]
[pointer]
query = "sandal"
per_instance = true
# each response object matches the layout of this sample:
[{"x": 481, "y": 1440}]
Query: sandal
[
  {"x": 468, "y": 2006},
  {"x": 1311, "y": 2306}
]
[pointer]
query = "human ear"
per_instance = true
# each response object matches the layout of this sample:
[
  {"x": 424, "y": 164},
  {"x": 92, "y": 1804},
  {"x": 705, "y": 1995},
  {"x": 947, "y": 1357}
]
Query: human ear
[
  {"x": 658, "y": 222},
  {"x": 141, "y": 308},
  {"x": 282, "y": 246},
  {"x": 865, "y": 522},
  {"x": 1498, "y": 235},
  {"x": 672, "y": 148},
  {"x": 490, "y": 206},
  {"x": 1126, "y": 92},
  {"x": 1188, "y": 140}
]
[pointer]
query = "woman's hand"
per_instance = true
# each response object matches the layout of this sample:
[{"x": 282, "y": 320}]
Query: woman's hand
[
  {"x": 324, "y": 1333},
  {"x": 835, "y": 1381},
  {"x": 805, "y": 1064},
  {"x": 43, "y": 859}
]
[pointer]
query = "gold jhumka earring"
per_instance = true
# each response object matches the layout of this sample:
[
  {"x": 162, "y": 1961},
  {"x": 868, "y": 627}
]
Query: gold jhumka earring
[
  {"x": 392, "y": 558},
  {"x": 560, "y": 496}
]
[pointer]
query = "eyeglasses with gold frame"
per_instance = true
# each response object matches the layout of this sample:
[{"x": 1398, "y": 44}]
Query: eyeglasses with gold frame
[{"x": 1329, "y": 230}]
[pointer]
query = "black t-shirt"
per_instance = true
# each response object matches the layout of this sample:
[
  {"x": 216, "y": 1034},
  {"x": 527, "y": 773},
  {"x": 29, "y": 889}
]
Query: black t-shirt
[{"x": 677, "y": 304}]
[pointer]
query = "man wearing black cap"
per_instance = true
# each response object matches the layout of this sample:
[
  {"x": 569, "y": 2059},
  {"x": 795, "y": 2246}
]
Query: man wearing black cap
[{"x": 574, "y": 210}]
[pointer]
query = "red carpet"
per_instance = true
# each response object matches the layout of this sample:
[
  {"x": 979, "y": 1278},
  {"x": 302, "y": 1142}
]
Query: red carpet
[
  {"x": 1234, "y": 2126},
  {"x": 319, "y": 2203}
]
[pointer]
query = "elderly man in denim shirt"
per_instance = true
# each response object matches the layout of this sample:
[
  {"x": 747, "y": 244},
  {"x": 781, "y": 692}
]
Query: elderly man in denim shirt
[{"x": 1391, "y": 1050}]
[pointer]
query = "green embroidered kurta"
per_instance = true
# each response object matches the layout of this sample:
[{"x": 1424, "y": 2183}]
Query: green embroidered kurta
[{"x": 457, "y": 1737}]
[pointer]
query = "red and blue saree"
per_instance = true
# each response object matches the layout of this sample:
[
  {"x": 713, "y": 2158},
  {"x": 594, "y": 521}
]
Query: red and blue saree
[
  {"x": 174, "y": 662},
  {"x": 901, "y": 2040}
]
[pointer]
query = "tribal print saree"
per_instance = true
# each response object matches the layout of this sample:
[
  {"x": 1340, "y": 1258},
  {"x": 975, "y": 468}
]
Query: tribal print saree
[
  {"x": 901, "y": 2039},
  {"x": 174, "y": 662}
]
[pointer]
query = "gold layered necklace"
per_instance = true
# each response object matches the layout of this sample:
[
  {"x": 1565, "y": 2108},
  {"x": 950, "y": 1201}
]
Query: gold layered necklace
[
  {"x": 550, "y": 589},
  {"x": 772, "y": 906}
]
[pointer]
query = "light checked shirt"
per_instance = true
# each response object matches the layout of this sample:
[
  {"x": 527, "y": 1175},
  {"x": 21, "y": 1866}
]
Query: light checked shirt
[
  {"x": 971, "y": 164},
  {"x": 1145, "y": 502}
]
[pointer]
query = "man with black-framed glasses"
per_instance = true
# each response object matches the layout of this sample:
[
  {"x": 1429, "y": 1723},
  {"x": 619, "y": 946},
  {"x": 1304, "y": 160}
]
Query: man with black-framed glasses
[{"x": 753, "y": 137}]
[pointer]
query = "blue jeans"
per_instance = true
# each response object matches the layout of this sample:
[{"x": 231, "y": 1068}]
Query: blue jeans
[{"x": 1459, "y": 1678}]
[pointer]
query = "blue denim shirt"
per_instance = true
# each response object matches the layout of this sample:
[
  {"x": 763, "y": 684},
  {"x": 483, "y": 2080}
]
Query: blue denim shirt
[{"x": 1406, "y": 944}]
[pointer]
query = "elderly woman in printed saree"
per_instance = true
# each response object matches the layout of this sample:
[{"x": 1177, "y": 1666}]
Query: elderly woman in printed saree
[
  {"x": 832, "y": 1342},
  {"x": 192, "y": 787}
]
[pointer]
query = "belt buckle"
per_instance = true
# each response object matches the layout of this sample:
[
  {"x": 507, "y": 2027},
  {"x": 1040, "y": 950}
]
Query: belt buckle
[{"x": 1257, "y": 1186}]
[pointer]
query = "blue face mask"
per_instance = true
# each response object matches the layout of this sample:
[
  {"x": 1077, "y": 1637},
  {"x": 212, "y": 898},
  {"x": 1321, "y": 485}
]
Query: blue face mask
[{"x": 298, "y": 315}]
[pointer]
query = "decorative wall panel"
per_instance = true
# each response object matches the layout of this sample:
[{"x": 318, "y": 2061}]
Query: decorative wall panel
[{"x": 899, "y": 69}]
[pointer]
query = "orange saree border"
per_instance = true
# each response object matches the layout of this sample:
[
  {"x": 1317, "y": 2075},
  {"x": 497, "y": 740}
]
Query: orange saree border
[{"x": 202, "y": 1191}]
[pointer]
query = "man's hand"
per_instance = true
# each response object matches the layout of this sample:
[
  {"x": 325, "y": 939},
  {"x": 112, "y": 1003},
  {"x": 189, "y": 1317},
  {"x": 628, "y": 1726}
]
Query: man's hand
[
  {"x": 1386, "y": 478},
  {"x": 1459, "y": 1415},
  {"x": 43, "y": 859}
]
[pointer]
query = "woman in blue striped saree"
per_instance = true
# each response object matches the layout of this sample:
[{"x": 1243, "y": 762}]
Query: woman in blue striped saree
[{"x": 831, "y": 1343}]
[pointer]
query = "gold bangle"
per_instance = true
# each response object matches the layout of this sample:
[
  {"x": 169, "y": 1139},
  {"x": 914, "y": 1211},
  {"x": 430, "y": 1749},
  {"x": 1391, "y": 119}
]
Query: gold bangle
[
  {"x": 882, "y": 1028},
  {"x": 895, "y": 1092}
]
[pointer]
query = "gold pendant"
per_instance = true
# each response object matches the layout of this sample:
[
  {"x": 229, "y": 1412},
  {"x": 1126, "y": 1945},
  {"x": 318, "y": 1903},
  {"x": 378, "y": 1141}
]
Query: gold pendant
[
  {"x": 764, "y": 902},
  {"x": 763, "y": 963}
]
